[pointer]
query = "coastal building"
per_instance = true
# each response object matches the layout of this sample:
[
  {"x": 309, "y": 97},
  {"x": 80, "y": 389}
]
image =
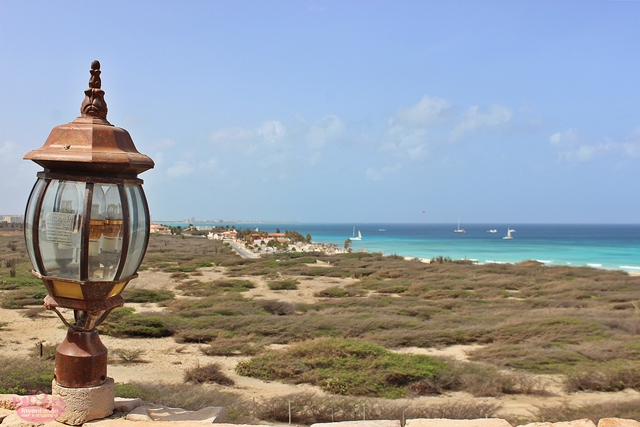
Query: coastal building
[
  {"x": 12, "y": 219},
  {"x": 159, "y": 229},
  {"x": 225, "y": 235}
]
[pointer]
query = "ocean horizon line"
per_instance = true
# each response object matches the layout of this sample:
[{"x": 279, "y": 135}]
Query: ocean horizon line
[{"x": 387, "y": 222}]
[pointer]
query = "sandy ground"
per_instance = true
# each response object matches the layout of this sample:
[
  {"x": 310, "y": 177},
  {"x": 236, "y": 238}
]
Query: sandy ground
[{"x": 166, "y": 360}]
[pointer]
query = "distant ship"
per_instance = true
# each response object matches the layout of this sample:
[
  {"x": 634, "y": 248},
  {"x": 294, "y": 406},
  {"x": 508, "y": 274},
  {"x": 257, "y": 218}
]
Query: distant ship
[
  {"x": 492, "y": 231},
  {"x": 509, "y": 236},
  {"x": 354, "y": 235},
  {"x": 459, "y": 230}
]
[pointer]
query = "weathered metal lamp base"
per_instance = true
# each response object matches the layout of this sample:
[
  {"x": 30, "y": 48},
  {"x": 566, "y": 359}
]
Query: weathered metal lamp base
[
  {"x": 81, "y": 360},
  {"x": 85, "y": 404}
]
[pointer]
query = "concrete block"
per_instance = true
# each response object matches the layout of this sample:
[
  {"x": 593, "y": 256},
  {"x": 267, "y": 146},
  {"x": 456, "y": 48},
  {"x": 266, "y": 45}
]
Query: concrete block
[
  {"x": 442, "y": 422},
  {"x": 4, "y": 413},
  {"x": 208, "y": 415},
  {"x": 138, "y": 414},
  {"x": 85, "y": 404},
  {"x": 363, "y": 423},
  {"x": 577, "y": 423},
  {"x": 617, "y": 422},
  {"x": 126, "y": 405},
  {"x": 14, "y": 420}
]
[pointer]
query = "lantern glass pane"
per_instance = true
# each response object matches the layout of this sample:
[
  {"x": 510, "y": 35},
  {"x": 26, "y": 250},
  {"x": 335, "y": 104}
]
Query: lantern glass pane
[
  {"x": 60, "y": 227},
  {"x": 105, "y": 236},
  {"x": 28, "y": 221},
  {"x": 138, "y": 227}
]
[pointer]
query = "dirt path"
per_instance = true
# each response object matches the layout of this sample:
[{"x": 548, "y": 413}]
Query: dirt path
[{"x": 166, "y": 360}]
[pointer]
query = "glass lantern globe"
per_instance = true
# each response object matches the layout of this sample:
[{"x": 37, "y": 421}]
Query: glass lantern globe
[{"x": 86, "y": 239}]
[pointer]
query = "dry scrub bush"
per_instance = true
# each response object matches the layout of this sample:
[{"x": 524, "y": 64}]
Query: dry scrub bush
[
  {"x": 210, "y": 373},
  {"x": 603, "y": 377},
  {"x": 128, "y": 355},
  {"x": 193, "y": 397},
  {"x": 308, "y": 408},
  {"x": 278, "y": 308},
  {"x": 611, "y": 409},
  {"x": 479, "y": 380},
  {"x": 236, "y": 345}
]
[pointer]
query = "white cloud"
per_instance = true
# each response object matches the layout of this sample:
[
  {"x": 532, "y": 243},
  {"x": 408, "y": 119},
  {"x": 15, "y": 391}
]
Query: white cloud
[
  {"x": 325, "y": 130},
  {"x": 406, "y": 142},
  {"x": 428, "y": 111},
  {"x": 375, "y": 174},
  {"x": 272, "y": 132},
  {"x": 477, "y": 118},
  {"x": 180, "y": 169},
  {"x": 571, "y": 147},
  {"x": 227, "y": 139},
  {"x": 567, "y": 138}
]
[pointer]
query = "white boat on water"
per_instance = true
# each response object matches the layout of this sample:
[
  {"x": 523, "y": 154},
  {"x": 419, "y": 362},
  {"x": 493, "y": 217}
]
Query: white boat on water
[
  {"x": 509, "y": 236},
  {"x": 492, "y": 231},
  {"x": 459, "y": 230},
  {"x": 354, "y": 235}
]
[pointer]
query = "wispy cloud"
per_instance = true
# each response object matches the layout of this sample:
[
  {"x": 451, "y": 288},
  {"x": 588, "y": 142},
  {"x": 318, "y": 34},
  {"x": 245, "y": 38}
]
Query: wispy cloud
[
  {"x": 427, "y": 112},
  {"x": 182, "y": 168},
  {"x": 572, "y": 147},
  {"x": 377, "y": 174},
  {"x": 477, "y": 118},
  {"x": 407, "y": 132},
  {"x": 324, "y": 131}
]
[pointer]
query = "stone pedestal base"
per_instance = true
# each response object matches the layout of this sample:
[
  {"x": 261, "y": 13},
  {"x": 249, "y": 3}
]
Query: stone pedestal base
[{"x": 85, "y": 404}]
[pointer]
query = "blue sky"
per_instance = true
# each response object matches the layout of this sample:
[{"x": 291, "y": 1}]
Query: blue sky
[{"x": 342, "y": 111}]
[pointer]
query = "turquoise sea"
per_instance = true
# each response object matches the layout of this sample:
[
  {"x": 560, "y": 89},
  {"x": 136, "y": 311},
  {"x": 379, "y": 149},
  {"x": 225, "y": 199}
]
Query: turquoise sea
[{"x": 597, "y": 245}]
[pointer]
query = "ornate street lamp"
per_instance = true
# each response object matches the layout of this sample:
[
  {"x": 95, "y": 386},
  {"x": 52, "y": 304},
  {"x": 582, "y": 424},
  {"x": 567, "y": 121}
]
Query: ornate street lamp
[{"x": 86, "y": 230}]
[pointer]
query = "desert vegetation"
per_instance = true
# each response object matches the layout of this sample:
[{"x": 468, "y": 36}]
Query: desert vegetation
[{"x": 576, "y": 323}]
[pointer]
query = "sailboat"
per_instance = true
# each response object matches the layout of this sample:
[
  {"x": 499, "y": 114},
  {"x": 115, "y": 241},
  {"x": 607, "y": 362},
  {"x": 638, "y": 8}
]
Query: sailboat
[
  {"x": 459, "y": 230},
  {"x": 354, "y": 235},
  {"x": 509, "y": 236}
]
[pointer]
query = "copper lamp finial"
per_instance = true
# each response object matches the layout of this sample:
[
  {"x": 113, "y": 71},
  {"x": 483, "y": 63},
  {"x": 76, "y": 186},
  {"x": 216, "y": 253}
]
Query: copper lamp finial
[{"x": 94, "y": 104}]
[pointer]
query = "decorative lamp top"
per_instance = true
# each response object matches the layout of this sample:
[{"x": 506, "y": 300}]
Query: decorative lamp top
[
  {"x": 94, "y": 104},
  {"x": 90, "y": 144}
]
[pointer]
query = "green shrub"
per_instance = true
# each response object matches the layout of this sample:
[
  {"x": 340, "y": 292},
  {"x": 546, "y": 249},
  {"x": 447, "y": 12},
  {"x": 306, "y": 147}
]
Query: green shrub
[
  {"x": 348, "y": 367},
  {"x": 25, "y": 375},
  {"x": 127, "y": 390},
  {"x": 334, "y": 292},
  {"x": 146, "y": 295},
  {"x": 283, "y": 285},
  {"x": 128, "y": 324}
]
